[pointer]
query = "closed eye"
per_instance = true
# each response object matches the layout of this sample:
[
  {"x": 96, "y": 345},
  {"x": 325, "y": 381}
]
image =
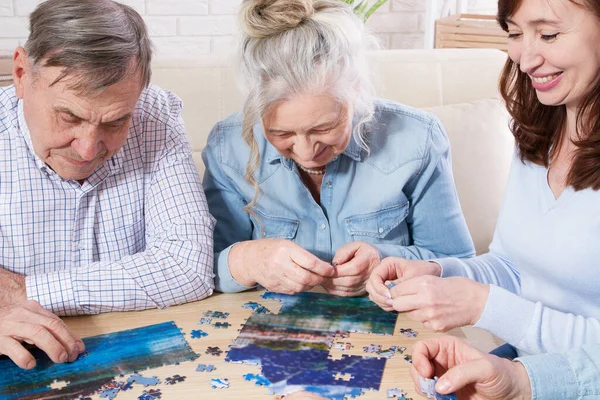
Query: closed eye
[{"x": 548, "y": 38}]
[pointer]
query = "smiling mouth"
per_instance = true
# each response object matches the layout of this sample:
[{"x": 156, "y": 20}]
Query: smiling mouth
[
  {"x": 320, "y": 153},
  {"x": 545, "y": 79}
]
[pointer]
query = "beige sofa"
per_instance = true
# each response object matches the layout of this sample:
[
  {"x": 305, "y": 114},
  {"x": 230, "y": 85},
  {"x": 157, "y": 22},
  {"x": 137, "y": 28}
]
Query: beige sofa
[{"x": 458, "y": 85}]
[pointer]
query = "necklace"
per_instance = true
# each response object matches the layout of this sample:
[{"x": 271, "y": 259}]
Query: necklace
[{"x": 312, "y": 171}]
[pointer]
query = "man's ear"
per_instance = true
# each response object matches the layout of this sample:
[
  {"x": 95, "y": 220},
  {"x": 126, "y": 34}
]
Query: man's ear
[{"x": 21, "y": 71}]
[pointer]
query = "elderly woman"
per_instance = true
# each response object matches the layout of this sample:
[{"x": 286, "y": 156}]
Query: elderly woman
[{"x": 316, "y": 180}]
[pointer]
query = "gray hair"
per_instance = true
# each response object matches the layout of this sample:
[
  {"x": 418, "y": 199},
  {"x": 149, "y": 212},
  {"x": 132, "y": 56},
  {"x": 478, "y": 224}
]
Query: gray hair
[
  {"x": 100, "y": 42},
  {"x": 293, "y": 47}
]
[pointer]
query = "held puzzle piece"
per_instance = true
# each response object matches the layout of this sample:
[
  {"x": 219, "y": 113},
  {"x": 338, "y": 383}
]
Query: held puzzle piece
[{"x": 427, "y": 386}]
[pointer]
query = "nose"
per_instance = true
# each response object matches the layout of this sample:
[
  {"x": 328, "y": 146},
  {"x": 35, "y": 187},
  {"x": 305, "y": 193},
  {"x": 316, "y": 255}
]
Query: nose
[
  {"x": 89, "y": 144},
  {"x": 304, "y": 148},
  {"x": 530, "y": 58}
]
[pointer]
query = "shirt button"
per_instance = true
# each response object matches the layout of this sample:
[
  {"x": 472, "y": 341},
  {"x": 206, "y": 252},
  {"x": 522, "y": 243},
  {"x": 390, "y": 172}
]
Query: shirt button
[
  {"x": 380, "y": 230},
  {"x": 328, "y": 183},
  {"x": 323, "y": 226}
]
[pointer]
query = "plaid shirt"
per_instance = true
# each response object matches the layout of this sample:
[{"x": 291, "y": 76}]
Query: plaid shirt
[{"x": 136, "y": 234}]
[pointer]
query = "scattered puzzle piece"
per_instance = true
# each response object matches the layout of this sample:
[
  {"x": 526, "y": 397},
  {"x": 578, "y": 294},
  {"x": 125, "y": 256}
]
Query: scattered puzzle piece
[
  {"x": 342, "y": 346},
  {"x": 221, "y": 324},
  {"x": 216, "y": 314},
  {"x": 372, "y": 348},
  {"x": 198, "y": 333},
  {"x": 214, "y": 351},
  {"x": 141, "y": 380},
  {"x": 151, "y": 394},
  {"x": 205, "y": 368},
  {"x": 205, "y": 321},
  {"x": 109, "y": 394},
  {"x": 259, "y": 380},
  {"x": 174, "y": 379},
  {"x": 408, "y": 358},
  {"x": 251, "y": 305},
  {"x": 395, "y": 392},
  {"x": 408, "y": 332},
  {"x": 218, "y": 383}
]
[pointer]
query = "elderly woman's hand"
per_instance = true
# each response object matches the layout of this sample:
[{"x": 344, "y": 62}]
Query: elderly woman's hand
[
  {"x": 396, "y": 269},
  {"x": 278, "y": 265},
  {"x": 353, "y": 265}
]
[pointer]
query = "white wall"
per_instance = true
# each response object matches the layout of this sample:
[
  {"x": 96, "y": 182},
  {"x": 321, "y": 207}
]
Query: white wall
[{"x": 192, "y": 27}]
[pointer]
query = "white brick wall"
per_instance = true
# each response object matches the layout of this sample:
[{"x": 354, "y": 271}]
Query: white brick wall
[{"x": 181, "y": 28}]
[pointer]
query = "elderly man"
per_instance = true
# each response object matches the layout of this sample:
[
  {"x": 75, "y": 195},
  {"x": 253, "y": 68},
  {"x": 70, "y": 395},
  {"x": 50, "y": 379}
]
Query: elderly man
[{"x": 101, "y": 207}]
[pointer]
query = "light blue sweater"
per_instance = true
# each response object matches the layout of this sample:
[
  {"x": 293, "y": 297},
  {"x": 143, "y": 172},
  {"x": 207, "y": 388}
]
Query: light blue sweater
[{"x": 542, "y": 266}]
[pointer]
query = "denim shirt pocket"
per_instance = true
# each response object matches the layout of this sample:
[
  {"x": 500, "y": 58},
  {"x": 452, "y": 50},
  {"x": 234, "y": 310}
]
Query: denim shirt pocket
[
  {"x": 378, "y": 224},
  {"x": 274, "y": 227}
]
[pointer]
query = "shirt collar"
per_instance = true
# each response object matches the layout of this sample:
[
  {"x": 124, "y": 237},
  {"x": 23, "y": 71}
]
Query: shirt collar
[{"x": 109, "y": 168}]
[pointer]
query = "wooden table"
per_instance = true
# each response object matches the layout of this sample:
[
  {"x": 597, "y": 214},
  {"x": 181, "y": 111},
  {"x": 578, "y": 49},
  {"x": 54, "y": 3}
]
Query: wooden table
[{"x": 197, "y": 384}]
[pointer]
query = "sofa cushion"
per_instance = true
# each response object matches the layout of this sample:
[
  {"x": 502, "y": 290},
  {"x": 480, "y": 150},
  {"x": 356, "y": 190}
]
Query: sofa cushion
[{"x": 482, "y": 146}]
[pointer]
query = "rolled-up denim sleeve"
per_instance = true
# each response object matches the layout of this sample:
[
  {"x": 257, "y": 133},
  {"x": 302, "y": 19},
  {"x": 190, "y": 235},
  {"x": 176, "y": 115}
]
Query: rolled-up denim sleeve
[{"x": 565, "y": 376}]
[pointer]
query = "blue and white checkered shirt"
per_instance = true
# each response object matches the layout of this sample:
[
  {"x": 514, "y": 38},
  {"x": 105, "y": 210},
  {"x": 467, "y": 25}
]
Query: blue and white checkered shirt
[{"x": 137, "y": 234}]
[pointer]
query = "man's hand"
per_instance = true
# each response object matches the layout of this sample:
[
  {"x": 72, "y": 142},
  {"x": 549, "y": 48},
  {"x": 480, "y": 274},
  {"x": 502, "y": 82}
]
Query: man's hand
[
  {"x": 468, "y": 372},
  {"x": 33, "y": 324},
  {"x": 12, "y": 288}
]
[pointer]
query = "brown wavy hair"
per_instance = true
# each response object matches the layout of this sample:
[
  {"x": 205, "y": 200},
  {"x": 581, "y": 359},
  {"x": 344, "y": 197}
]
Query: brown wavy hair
[{"x": 539, "y": 129}]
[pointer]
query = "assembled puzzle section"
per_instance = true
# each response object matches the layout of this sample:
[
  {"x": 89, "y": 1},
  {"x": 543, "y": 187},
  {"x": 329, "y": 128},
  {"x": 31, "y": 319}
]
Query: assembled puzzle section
[
  {"x": 106, "y": 356},
  {"x": 293, "y": 346}
]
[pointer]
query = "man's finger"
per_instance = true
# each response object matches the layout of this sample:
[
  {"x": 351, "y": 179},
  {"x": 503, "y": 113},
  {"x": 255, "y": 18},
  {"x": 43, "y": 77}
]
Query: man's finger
[
  {"x": 56, "y": 327},
  {"x": 16, "y": 352},
  {"x": 40, "y": 336}
]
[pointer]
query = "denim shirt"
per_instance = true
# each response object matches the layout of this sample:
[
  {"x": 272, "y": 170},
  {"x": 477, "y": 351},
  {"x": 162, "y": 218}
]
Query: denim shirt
[
  {"x": 571, "y": 375},
  {"x": 399, "y": 197}
]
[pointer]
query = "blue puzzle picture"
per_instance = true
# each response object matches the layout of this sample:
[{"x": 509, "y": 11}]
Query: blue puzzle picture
[
  {"x": 106, "y": 356},
  {"x": 292, "y": 347}
]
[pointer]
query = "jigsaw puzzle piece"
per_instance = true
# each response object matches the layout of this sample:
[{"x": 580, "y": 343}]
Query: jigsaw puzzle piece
[
  {"x": 218, "y": 383},
  {"x": 205, "y": 368},
  {"x": 141, "y": 380}
]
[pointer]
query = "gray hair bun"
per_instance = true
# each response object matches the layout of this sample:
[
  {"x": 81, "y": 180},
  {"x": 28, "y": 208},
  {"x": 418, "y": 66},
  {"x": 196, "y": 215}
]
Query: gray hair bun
[{"x": 263, "y": 18}]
